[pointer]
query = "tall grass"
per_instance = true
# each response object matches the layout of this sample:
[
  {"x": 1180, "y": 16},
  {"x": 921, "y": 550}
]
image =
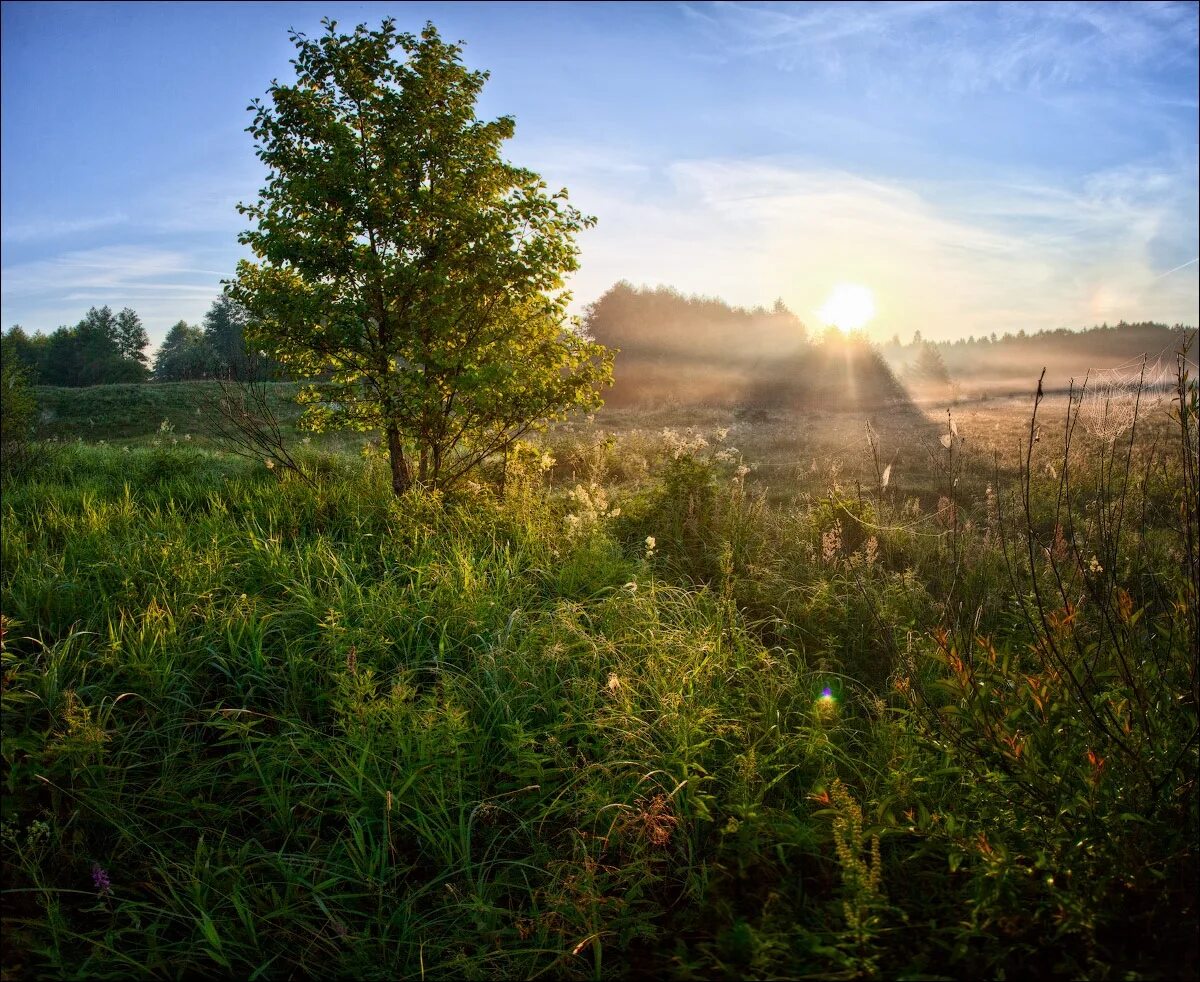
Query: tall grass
[{"x": 631, "y": 715}]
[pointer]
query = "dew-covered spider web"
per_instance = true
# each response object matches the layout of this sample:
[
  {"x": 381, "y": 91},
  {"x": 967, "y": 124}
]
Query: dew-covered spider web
[{"x": 1112, "y": 396}]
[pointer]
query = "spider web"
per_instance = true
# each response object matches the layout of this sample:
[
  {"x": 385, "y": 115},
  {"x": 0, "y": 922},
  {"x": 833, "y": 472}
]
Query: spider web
[{"x": 1111, "y": 396}]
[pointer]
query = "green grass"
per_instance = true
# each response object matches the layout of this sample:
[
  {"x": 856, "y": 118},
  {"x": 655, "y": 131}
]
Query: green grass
[
  {"x": 320, "y": 730},
  {"x": 122, "y": 412}
]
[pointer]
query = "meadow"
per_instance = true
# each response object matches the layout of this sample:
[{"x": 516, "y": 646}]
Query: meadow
[{"x": 687, "y": 693}]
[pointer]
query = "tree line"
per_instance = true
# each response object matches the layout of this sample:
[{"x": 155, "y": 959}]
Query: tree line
[{"x": 106, "y": 348}]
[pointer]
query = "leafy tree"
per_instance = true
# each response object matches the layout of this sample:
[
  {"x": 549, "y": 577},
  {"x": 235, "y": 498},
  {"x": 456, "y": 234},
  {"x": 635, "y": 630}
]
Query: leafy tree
[
  {"x": 403, "y": 264},
  {"x": 102, "y": 348},
  {"x": 131, "y": 338},
  {"x": 18, "y": 408},
  {"x": 24, "y": 349},
  {"x": 224, "y": 330},
  {"x": 95, "y": 355},
  {"x": 185, "y": 355}
]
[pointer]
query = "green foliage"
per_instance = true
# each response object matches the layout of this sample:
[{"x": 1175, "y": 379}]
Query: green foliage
[
  {"x": 18, "y": 413},
  {"x": 403, "y": 263},
  {"x": 225, "y": 335},
  {"x": 1075, "y": 742},
  {"x": 125, "y": 412},
  {"x": 588, "y": 716},
  {"x": 184, "y": 356},
  {"x": 102, "y": 348}
]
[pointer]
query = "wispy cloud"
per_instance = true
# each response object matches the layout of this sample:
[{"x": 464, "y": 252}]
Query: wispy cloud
[
  {"x": 51, "y": 229},
  {"x": 1030, "y": 46},
  {"x": 162, "y": 285},
  {"x": 944, "y": 259}
]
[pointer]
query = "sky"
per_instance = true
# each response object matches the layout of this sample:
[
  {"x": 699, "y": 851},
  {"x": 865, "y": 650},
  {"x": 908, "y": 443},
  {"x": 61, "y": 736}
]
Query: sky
[{"x": 977, "y": 168}]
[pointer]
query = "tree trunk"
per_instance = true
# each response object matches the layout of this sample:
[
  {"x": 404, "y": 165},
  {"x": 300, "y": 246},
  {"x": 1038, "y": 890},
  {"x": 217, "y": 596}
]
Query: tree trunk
[{"x": 401, "y": 476}]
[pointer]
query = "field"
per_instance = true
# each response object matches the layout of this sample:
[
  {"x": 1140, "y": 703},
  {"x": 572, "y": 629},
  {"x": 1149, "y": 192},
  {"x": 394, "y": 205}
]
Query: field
[{"x": 675, "y": 693}]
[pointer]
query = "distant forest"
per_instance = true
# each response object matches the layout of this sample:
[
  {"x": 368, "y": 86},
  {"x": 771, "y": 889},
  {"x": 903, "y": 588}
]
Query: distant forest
[
  {"x": 980, "y": 366},
  {"x": 106, "y": 348},
  {"x": 701, "y": 350},
  {"x": 673, "y": 348}
]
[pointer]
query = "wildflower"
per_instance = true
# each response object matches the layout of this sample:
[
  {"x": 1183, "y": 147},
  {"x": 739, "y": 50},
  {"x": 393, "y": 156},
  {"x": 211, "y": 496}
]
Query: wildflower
[
  {"x": 657, "y": 820},
  {"x": 270, "y": 463},
  {"x": 722, "y": 432},
  {"x": 650, "y": 546},
  {"x": 614, "y": 684},
  {"x": 100, "y": 879},
  {"x": 871, "y": 550},
  {"x": 831, "y": 542},
  {"x": 1094, "y": 567}
]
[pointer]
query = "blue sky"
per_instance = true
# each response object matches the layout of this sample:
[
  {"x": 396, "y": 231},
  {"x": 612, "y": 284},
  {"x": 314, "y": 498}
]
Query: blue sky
[{"x": 978, "y": 167}]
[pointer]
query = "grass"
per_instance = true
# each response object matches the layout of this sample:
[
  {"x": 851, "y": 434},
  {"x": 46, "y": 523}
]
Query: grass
[{"x": 818, "y": 727}]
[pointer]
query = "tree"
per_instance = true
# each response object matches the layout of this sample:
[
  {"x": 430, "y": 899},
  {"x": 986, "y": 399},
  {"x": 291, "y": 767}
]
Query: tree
[
  {"x": 27, "y": 350},
  {"x": 100, "y": 349},
  {"x": 224, "y": 330},
  {"x": 930, "y": 372},
  {"x": 402, "y": 264},
  {"x": 18, "y": 409},
  {"x": 132, "y": 339},
  {"x": 185, "y": 355}
]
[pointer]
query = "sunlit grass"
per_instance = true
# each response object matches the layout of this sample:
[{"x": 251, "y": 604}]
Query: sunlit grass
[{"x": 678, "y": 702}]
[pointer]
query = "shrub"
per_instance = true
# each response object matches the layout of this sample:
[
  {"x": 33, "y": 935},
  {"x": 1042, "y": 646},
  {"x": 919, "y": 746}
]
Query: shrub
[{"x": 18, "y": 415}]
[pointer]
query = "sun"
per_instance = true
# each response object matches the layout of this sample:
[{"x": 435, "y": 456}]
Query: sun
[{"x": 849, "y": 306}]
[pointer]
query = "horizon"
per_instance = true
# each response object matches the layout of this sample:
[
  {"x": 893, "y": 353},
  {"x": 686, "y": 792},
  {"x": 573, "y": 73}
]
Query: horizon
[{"x": 740, "y": 151}]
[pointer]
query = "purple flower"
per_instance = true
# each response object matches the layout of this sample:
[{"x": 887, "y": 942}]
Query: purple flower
[{"x": 101, "y": 880}]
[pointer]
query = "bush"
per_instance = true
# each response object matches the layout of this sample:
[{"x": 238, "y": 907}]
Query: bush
[{"x": 18, "y": 416}]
